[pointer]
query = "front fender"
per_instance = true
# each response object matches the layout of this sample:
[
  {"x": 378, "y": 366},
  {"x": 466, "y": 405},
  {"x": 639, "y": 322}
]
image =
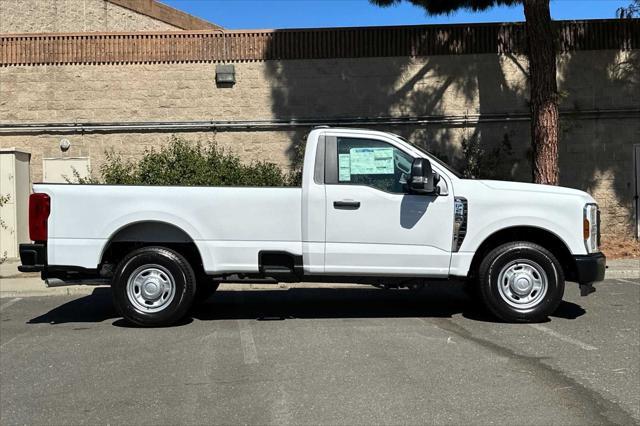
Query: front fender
[{"x": 473, "y": 242}]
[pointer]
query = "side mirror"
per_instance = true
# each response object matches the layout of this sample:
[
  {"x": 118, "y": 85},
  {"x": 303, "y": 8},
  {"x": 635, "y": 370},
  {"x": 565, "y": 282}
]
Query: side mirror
[{"x": 423, "y": 179}]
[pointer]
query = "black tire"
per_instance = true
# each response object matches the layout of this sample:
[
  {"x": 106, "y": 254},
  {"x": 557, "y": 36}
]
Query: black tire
[
  {"x": 167, "y": 265},
  {"x": 471, "y": 289},
  {"x": 537, "y": 265},
  {"x": 206, "y": 288}
]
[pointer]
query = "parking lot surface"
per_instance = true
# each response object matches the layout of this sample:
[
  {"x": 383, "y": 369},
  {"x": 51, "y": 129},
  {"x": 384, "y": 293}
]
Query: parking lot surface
[{"x": 323, "y": 356}]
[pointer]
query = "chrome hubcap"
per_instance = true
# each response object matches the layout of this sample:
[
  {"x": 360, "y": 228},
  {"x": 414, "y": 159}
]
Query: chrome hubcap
[
  {"x": 151, "y": 288},
  {"x": 522, "y": 283}
]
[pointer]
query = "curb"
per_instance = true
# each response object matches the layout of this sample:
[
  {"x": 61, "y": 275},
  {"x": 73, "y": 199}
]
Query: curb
[
  {"x": 622, "y": 273},
  {"x": 66, "y": 291},
  {"x": 35, "y": 287}
]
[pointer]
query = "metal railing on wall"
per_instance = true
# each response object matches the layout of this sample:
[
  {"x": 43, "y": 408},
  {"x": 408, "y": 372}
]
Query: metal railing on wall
[{"x": 239, "y": 46}]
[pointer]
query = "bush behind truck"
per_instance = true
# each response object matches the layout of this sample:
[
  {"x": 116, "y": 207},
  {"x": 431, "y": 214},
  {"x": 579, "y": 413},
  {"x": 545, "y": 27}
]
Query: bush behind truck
[{"x": 183, "y": 163}]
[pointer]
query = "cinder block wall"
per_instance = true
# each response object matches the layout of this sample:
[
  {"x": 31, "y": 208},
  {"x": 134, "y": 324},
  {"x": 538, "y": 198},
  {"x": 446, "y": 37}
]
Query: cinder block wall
[
  {"x": 68, "y": 16},
  {"x": 595, "y": 152}
]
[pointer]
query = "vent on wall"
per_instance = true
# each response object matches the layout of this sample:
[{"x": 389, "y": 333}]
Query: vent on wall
[{"x": 225, "y": 75}]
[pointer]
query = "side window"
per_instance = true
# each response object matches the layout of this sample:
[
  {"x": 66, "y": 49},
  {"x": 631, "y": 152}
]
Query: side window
[{"x": 373, "y": 163}]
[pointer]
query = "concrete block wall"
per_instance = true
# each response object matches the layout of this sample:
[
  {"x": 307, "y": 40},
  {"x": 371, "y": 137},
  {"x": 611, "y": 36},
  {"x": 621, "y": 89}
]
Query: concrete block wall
[
  {"x": 67, "y": 16},
  {"x": 595, "y": 152}
]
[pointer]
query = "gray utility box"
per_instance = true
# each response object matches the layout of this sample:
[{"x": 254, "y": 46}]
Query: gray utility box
[{"x": 16, "y": 184}]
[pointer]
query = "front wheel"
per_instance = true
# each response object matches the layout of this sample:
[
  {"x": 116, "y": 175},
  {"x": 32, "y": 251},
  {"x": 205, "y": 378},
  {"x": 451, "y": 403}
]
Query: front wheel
[
  {"x": 521, "y": 282},
  {"x": 153, "y": 286}
]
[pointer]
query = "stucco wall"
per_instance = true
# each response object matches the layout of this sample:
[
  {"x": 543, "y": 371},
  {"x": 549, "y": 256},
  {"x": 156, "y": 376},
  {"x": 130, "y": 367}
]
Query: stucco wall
[
  {"x": 595, "y": 150},
  {"x": 65, "y": 16}
]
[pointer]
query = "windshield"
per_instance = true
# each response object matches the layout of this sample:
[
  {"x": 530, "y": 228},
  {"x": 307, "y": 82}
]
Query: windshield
[{"x": 437, "y": 160}]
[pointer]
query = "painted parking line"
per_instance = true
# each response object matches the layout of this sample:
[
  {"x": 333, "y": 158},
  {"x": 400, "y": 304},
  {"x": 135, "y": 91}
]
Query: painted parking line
[
  {"x": 628, "y": 282},
  {"x": 564, "y": 338},
  {"x": 9, "y": 303},
  {"x": 3, "y": 344},
  {"x": 248, "y": 344}
]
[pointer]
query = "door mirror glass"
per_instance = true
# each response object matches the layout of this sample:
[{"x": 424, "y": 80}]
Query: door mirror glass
[{"x": 423, "y": 179}]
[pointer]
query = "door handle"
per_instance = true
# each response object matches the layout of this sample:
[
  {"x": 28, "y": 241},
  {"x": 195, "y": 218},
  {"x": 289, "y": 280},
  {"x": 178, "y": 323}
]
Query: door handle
[{"x": 346, "y": 205}]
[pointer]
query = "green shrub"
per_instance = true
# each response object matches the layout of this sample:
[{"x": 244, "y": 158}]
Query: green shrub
[{"x": 182, "y": 163}]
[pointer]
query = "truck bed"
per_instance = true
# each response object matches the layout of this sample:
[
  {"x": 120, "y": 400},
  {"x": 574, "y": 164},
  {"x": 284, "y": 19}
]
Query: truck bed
[{"x": 229, "y": 225}]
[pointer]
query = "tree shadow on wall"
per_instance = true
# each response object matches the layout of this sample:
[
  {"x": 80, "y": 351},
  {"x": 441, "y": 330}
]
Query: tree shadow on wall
[
  {"x": 596, "y": 153},
  {"x": 473, "y": 84},
  {"x": 405, "y": 87}
]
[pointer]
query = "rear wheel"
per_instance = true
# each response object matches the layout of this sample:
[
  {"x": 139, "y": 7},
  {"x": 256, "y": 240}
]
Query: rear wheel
[
  {"x": 521, "y": 282},
  {"x": 153, "y": 286}
]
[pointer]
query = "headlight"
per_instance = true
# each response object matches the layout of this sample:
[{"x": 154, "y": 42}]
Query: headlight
[{"x": 590, "y": 225}]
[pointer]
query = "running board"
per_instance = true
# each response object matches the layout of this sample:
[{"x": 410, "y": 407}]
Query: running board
[{"x": 57, "y": 282}]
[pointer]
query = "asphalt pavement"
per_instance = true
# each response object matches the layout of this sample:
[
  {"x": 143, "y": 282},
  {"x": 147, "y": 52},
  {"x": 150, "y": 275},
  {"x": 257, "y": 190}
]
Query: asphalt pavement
[{"x": 308, "y": 355}]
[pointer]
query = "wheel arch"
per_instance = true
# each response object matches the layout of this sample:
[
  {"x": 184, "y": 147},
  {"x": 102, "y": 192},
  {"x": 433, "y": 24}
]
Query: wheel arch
[
  {"x": 533, "y": 234},
  {"x": 150, "y": 233}
]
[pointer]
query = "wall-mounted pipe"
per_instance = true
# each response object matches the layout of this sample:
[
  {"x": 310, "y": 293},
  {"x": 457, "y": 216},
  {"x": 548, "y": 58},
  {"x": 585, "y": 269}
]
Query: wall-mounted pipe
[{"x": 265, "y": 125}]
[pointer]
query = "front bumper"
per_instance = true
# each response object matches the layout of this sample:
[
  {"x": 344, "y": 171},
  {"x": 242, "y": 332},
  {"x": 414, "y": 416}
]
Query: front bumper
[{"x": 590, "y": 268}]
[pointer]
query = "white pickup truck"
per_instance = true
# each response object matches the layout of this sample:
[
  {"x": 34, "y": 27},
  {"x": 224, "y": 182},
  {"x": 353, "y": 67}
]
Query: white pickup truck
[{"x": 372, "y": 209}]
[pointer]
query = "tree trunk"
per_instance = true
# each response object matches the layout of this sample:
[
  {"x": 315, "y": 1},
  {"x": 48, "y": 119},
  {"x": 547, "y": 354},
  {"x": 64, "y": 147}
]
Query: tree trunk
[{"x": 543, "y": 90}]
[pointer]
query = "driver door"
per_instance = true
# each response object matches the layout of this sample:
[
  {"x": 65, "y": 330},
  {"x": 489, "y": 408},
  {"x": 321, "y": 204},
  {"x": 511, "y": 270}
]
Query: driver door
[{"x": 373, "y": 225}]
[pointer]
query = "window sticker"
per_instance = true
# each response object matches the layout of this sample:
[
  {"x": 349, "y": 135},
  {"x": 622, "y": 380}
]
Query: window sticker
[
  {"x": 371, "y": 161},
  {"x": 344, "y": 168}
]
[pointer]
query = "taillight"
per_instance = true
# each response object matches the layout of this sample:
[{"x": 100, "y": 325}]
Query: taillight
[{"x": 39, "y": 209}]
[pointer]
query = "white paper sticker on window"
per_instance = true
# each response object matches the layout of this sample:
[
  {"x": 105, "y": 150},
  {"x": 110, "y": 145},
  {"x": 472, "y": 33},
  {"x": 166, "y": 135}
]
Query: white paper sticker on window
[
  {"x": 344, "y": 168},
  {"x": 371, "y": 161}
]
